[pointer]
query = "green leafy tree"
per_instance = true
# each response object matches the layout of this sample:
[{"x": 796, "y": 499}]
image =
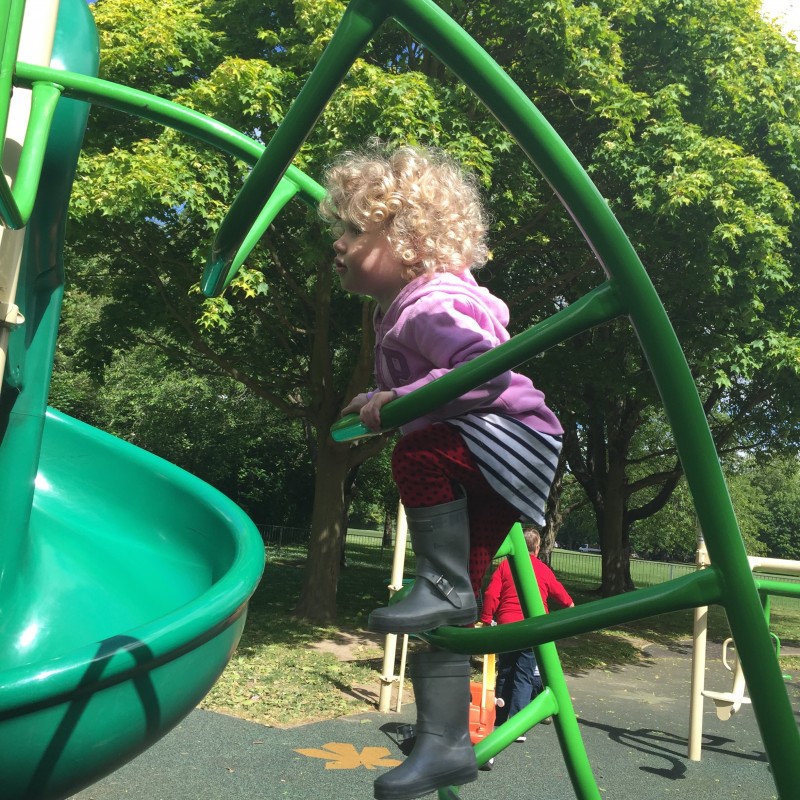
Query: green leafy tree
[
  {"x": 776, "y": 482},
  {"x": 695, "y": 150},
  {"x": 687, "y": 119},
  {"x": 208, "y": 424}
]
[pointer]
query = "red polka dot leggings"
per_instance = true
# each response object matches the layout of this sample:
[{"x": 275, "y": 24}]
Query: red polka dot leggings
[{"x": 426, "y": 465}]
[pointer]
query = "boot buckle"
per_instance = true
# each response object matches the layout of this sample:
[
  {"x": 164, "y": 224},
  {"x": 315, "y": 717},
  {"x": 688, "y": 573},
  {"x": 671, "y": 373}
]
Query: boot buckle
[
  {"x": 447, "y": 590},
  {"x": 443, "y": 586}
]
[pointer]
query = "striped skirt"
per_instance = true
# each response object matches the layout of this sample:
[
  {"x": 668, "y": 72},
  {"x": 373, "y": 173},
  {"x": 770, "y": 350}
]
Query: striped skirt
[{"x": 518, "y": 462}]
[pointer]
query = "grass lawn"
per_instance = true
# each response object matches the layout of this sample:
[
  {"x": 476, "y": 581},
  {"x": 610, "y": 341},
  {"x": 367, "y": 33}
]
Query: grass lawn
[{"x": 280, "y": 676}]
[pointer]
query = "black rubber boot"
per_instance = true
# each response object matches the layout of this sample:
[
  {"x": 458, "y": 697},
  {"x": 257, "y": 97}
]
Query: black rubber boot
[
  {"x": 442, "y": 754},
  {"x": 442, "y": 592}
]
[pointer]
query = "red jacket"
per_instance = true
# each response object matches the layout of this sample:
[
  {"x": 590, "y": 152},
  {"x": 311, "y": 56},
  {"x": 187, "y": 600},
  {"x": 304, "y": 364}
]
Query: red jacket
[{"x": 500, "y": 600}]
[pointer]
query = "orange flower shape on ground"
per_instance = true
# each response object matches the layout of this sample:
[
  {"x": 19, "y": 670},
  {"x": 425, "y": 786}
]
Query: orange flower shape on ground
[{"x": 345, "y": 756}]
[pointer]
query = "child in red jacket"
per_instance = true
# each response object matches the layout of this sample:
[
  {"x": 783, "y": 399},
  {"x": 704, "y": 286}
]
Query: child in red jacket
[{"x": 518, "y": 680}]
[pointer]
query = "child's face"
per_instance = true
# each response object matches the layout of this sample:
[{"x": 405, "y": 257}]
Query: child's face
[{"x": 366, "y": 264}]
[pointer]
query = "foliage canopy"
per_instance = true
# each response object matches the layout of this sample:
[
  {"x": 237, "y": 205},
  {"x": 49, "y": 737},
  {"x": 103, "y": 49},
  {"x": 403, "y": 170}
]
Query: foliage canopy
[{"x": 685, "y": 115}]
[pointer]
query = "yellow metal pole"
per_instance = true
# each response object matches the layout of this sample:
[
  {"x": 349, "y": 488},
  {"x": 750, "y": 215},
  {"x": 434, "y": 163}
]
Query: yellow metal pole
[
  {"x": 698, "y": 665},
  {"x": 401, "y": 673}
]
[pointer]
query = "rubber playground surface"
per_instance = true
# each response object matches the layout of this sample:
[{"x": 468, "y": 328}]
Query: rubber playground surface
[{"x": 634, "y": 721}]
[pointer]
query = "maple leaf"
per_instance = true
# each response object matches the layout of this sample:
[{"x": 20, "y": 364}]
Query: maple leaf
[{"x": 345, "y": 756}]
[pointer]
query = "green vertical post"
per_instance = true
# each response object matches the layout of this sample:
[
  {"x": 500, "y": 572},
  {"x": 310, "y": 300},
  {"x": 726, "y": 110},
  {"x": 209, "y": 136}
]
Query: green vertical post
[{"x": 565, "y": 721}]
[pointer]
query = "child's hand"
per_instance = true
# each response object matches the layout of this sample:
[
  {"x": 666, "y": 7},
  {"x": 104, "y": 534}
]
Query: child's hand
[
  {"x": 370, "y": 413},
  {"x": 368, "y": 405},
  {"x": 356, "y": 404}
]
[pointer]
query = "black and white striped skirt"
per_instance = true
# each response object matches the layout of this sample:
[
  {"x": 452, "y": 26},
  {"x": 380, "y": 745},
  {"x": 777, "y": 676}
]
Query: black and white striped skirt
[{"x": 518, "y": 462}]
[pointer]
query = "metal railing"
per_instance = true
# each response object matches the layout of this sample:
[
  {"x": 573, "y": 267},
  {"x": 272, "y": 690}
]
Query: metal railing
[{"x": 571, "y": 566}]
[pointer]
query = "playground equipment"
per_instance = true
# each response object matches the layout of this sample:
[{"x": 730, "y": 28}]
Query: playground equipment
[
  {"x": 730, "y": 702},
  {"x": 124, "y": 581},
  {"x": 61, "y": 705},
  {"x": 726, "y": 703},
  {"x": 388, "y": 676},
  {"x": 627, "y": 292}
]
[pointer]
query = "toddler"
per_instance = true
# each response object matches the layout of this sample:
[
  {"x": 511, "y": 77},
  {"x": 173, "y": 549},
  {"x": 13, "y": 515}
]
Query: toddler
[{"x": 410, "y": 227}]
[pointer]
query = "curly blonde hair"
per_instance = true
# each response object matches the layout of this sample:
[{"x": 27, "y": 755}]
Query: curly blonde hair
[{"x": 431, "y": 210}]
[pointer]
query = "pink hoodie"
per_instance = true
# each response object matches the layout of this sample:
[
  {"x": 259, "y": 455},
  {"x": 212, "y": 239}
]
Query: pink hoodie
[{"x": 439, "y": 322}]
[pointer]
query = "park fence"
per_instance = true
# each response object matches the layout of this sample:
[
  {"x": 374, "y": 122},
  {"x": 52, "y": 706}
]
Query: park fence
[
  {"x": 570, "y": 566},
  {"x": 279, "y": 537},
  {"x": 577, "y": 567},
  {"x": 358, "y": 543}
]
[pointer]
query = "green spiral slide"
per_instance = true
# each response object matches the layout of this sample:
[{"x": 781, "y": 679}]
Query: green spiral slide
[{"x": 124, "y": 580}]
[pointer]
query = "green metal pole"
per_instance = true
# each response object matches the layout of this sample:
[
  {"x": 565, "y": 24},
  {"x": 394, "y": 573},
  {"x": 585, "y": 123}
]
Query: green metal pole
[
  {"x": 566, "y": 724},
  {"x": 359, "y": 24}
]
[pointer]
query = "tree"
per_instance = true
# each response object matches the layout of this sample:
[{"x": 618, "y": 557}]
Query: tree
[
  {"x": 695, "y": 150},
  {"x": 775, "y": 482},
  {"x": 147, "y": 202}
]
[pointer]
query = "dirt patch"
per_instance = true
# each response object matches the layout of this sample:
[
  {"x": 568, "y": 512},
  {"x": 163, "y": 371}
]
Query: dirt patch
[
  {"x": 352, "y": 646},
  {"x": 367, "y": 648}
]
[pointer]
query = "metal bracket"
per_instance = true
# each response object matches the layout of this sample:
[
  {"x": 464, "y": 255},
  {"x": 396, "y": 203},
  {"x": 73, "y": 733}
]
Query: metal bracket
[{"x": 10, "y": 317}]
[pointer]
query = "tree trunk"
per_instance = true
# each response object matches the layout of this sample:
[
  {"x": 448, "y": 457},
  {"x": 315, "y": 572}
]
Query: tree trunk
[
  {"x": 598, "y": 460},
  {"x": 386, "y": 542},
  {"x": 614, "y": 544},
  {"x": 334, "y": 463},
  {"x": 553, "y": 516},
  {"x": 612, "y": 525},
  {"x": 317, "y": 601}
]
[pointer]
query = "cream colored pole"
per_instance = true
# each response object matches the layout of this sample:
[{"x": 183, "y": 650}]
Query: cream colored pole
[
  {"x": 402, "y": 673},
  {"x": 780, "y": 565},
  {"x": 388, "y": 677},
  {"x": 698, "y": 665},
  {"x": 35, "y": 47}
]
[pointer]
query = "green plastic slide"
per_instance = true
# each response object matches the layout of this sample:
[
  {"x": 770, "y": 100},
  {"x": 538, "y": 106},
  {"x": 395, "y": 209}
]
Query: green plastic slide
[{"x": 124, "y": 580}]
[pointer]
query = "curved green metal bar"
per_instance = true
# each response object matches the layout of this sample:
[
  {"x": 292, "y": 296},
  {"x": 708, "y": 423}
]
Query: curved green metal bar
[
  {"x": 704, "y": 587},
  {"x": 594, "y": 308},
  {"x": 777, "y": 588},
  {"x": 16, "y": 205},
  {"x": 679, "y": 394},
  {"x": 293, "y": 183},
  {"x": 97, "y": 91},
  {"x": 283, "y": 193}
]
